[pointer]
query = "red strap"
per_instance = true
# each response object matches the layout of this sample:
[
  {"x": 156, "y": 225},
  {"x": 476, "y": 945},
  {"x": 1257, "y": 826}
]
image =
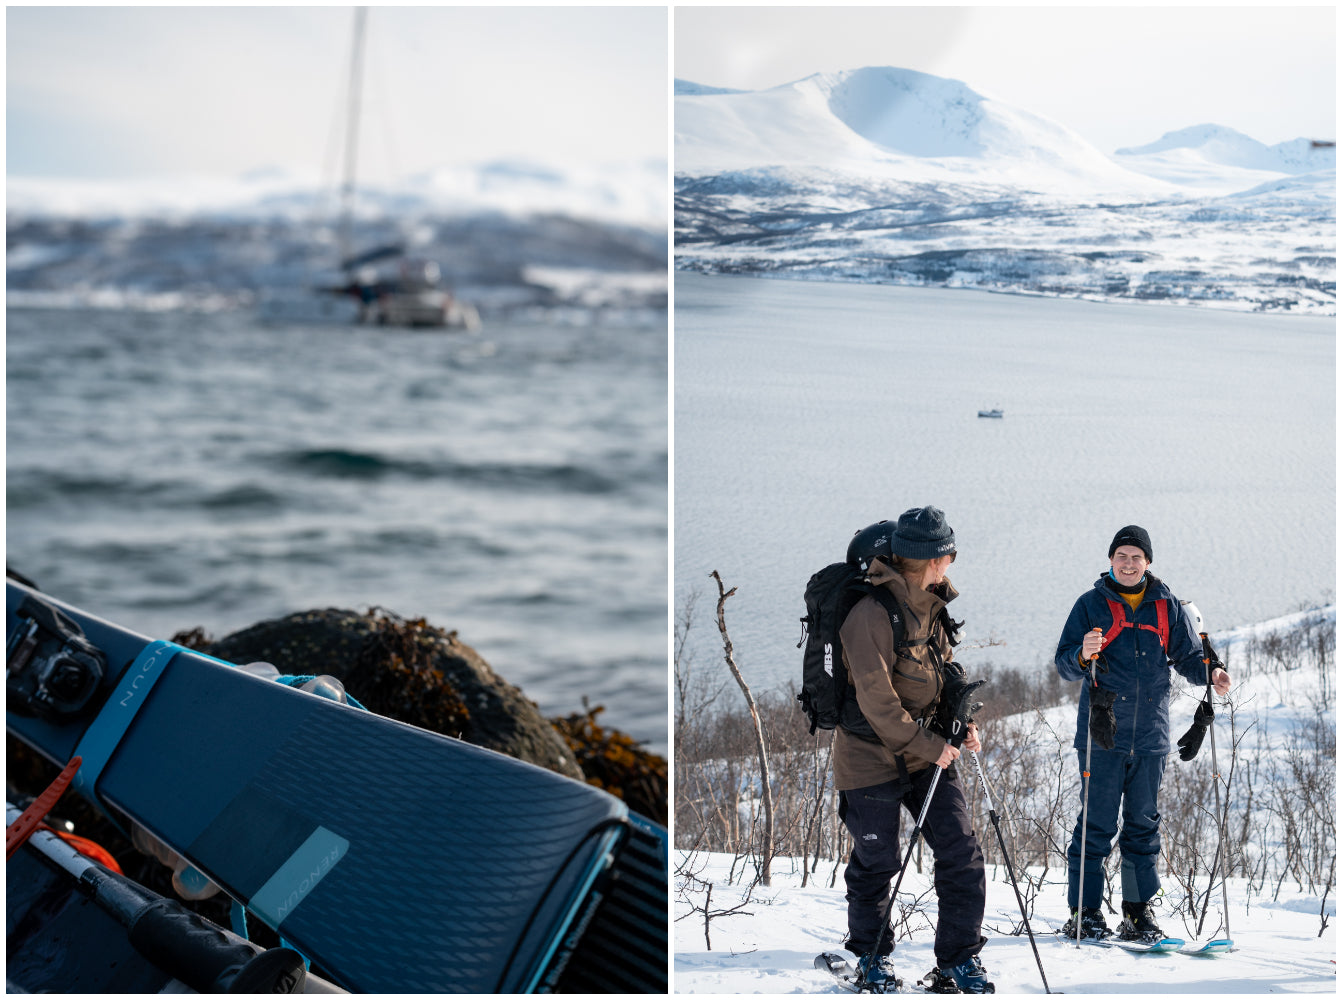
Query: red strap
[
  {"x": 1119, "y": 611},
  {"x": 1120, "y": 619},
  {"x": 22, "y": 828}
]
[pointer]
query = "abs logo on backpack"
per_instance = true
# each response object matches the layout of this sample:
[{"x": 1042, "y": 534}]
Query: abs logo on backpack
[{"x": 829, "y": 657}]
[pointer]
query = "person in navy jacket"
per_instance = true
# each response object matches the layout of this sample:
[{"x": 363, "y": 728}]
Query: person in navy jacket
[{"x": 1139, "y": 634}]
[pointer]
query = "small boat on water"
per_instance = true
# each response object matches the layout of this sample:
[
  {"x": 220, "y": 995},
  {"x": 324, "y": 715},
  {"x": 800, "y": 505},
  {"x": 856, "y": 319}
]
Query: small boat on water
[
  {"x": 408, "y": 294},
  {"x": 995, "y": 414}
]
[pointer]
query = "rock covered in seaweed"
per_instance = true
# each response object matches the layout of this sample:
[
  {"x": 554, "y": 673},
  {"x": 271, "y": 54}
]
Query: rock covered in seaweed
[{"x": 408, "y": 670}]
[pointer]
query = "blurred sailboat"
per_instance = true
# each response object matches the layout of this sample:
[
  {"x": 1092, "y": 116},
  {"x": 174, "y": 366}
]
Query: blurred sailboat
[{"x": 386, "y": 285}]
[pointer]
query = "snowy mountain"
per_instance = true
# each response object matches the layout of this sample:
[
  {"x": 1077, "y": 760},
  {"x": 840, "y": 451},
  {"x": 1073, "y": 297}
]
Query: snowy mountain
[
  {"x": 506, "y": 235},
  {"x": 886, "y": 122},
  {"x": 885, "y": 174}
]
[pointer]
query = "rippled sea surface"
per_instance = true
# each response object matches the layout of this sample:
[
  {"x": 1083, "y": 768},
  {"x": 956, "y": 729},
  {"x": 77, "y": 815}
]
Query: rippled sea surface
[{"x": 173, "y": 470}]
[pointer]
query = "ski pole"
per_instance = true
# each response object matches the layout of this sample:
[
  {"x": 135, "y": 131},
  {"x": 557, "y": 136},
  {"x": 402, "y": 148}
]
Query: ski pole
[
  {"x": 184, "y": 944},
  {"x": 1085, "y": 811},
  {"x": 1001, "y": 842},
  {"x": 1213, "y": 662},
  {"x": 890, "y": 904}
]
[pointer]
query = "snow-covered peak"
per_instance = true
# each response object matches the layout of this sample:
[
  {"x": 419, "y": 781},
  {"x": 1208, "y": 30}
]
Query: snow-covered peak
[
  {"x": 886, "y": 121},
  {"x": 905, "y": 111}
]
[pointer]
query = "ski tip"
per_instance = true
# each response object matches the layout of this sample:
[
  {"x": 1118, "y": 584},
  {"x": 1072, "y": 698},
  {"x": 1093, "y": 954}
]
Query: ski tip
[{"x": 1218, "y": 946}]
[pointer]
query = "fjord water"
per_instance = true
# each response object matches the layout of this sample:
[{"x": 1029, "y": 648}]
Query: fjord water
[
  {"x": 805, "y": 411},
  {"x": 172, "y": 470}
]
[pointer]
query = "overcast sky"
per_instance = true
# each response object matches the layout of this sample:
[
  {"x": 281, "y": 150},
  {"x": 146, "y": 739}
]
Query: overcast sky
[
  {"x": 1118, "y": 76},
  {"x": 102, "y": 92}
]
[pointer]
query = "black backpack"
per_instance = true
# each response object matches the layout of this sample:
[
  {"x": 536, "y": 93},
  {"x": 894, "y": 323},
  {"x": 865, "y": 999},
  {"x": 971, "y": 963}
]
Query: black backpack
[{"x": 826, "y": 696}]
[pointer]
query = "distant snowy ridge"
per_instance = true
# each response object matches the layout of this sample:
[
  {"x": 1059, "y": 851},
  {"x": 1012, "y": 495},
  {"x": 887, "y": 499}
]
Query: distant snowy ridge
[
  {"x": 628, "y": 194},
  {"x": 1218, "y": 144},
  {"x": 890, "y": 175}
]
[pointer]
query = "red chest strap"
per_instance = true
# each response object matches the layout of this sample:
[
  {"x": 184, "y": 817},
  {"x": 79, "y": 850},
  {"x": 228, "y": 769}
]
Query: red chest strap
[{"x": 1119, "y": 609}]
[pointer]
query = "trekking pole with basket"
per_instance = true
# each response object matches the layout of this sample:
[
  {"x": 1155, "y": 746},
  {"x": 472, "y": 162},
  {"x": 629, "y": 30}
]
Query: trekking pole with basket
[
  {"x": 1190, "y": 743},
  {"x": 1085, "y": 806},
  {"x": 1006, "y": 857}
]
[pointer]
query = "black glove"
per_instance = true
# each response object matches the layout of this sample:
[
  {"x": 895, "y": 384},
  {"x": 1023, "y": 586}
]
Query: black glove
[
  {"x": 955, "y": 710},
  {"x": 1102, "y": 722},
  {"x": 1191, "y": 742}
]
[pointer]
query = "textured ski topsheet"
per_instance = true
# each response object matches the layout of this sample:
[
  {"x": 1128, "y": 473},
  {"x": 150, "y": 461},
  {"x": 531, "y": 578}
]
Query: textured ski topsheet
[{"x": 396, "y": 859}]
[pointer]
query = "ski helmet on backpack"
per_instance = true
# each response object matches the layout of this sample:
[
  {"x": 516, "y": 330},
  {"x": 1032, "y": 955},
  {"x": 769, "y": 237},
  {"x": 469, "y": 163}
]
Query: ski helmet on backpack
[{"x": 868, "y": 543}]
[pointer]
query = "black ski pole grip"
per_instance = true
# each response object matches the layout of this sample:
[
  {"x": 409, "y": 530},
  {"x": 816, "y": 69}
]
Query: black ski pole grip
[{"x": 209, "y": 958}]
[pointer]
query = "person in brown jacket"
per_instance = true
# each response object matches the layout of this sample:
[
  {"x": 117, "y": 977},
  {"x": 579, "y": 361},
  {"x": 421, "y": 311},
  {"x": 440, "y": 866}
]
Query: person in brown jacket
[{"x": 898, "y": 692}]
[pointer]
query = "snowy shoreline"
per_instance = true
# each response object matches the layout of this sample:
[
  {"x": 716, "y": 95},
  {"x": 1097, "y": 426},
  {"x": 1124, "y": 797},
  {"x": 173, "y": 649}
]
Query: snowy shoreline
[{"x": 687, "y": 263}]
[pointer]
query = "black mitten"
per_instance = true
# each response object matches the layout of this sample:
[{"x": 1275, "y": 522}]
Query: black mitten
[
  {"x": 1191, "y": 742},
  {"x": 1102, "y": 722}
]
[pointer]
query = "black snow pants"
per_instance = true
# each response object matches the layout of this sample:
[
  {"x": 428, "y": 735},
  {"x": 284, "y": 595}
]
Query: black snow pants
[{"x": 872, "y": 817}]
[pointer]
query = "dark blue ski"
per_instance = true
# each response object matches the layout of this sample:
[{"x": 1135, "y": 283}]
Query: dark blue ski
[{"x": 397, "y": 860}]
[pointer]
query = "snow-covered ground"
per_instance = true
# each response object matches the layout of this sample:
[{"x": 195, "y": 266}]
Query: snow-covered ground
[
  {"x": 764, "y": 940},
  {"x": 768, "y": 946},
  {"x": 887, "y": 175}
]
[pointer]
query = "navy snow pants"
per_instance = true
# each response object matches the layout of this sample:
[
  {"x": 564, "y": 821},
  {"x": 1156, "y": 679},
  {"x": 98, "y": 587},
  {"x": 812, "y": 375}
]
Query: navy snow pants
[
  {"x": 1123, "y": 783},
  {"x": 872, "y": 817}
]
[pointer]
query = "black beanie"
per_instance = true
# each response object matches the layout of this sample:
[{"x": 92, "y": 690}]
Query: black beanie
[
  {"x": 1132, "y": 535},
  {"x": 922, "y": 533}
]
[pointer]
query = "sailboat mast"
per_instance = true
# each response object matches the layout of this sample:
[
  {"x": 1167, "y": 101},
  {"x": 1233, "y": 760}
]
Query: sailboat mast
[{"x": 352, "y": 137}]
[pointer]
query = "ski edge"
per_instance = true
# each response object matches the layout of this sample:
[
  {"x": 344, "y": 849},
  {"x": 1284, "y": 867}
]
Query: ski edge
[
  {"x": 1216, "y": 946},
  {"x": 1165, "y": 946}
]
